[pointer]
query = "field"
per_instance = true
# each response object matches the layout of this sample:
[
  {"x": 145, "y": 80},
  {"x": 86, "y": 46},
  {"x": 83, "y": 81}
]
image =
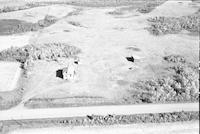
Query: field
[
  {"x": 10, "y": 72},
  {"x": 119, "y": 60},
  {"x": 11, "y": 83}
]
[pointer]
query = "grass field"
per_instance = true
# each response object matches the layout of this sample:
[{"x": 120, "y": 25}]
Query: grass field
[{"x": 10, "y": 72}]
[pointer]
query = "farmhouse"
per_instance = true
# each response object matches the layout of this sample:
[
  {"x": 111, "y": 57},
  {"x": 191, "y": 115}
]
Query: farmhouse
[{"x": 67, "y": 73}]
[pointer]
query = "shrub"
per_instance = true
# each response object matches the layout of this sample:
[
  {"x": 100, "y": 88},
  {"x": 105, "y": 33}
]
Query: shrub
[
  {"x": 182, "y": 85},
  {"x": 147, "y": 8},
  {"x": 172, "y": 25},
  {"x": 75, "y": 23},
  {"x": 175, "y": 59},
  {"x": 41, "y": 52},
  {"x": 47, "y": 21}
]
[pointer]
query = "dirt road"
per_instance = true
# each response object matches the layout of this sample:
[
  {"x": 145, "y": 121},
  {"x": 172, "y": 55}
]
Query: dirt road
[
  {"x": 164, "y": 128},
  {"x": 15, "y": 114}
]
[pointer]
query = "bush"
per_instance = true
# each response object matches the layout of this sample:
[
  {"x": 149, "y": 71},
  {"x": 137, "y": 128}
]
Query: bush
[
  {"x": 47, "y": 21},
  {"x": 41, "y": 52},
  {"x": 173, "y": 25},
  {"x": 175, "y": 59},
  {"x": 116, "y": 12},
  {"x": 148, "y": 7},
  {"x": 182, "y": 85},
  {"x": 14, "y": 54},
  {"x": 77, "y": 24}
]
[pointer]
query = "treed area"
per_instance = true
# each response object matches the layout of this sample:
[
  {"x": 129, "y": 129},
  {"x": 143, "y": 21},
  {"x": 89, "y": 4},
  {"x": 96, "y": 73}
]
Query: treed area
[
  {"x": 182, "y": 85},
  {"x": 172, "y": 25},
  {"x": 50, "y": 51}
]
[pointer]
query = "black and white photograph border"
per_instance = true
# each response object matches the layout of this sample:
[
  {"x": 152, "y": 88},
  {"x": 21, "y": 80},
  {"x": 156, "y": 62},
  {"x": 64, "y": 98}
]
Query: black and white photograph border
[{"x": 99, "y": 66}]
